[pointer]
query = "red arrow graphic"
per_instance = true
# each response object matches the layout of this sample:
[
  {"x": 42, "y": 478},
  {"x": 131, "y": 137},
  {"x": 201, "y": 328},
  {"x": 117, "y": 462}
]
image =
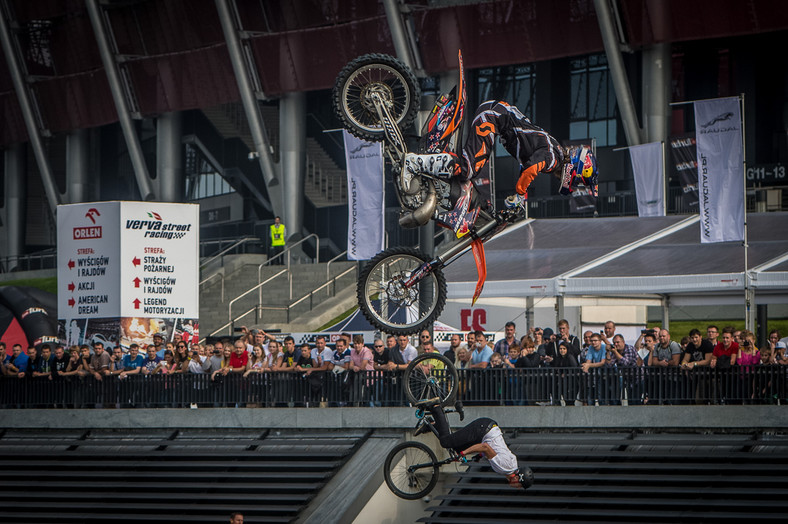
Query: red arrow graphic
[
  {"x": 136, "y": 303},
  {"x": 135, "y": 261},
  {"x": 71, "y": 264},
  {"x": 71, "y": 301},
  {"x": 71, "y": 287},
  {"x": 137, "y": 282}
]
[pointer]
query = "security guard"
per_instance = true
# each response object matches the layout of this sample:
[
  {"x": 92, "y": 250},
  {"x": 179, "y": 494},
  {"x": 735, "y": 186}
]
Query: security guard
[{"x": 277, "y": 241}]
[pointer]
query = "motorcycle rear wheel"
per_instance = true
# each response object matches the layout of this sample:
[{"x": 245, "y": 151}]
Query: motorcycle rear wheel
[
  {"x": 391, "y": 306},
  {"x": 382, "y": 74}
]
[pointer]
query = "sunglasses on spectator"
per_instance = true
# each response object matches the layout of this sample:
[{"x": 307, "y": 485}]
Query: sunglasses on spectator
[{"x": 378, "y": 345}]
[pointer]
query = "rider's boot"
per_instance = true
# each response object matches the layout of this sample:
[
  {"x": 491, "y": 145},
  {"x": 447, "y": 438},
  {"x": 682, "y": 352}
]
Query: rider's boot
[
  {"x": 459, "y": 409},
  {"x": 424, "y": 428},
  {"x": 516, "y": 201}
]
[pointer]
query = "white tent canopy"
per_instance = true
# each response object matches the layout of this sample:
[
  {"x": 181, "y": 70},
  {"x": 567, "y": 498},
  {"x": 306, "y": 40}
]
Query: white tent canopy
[{"x": 631, "y": 256}]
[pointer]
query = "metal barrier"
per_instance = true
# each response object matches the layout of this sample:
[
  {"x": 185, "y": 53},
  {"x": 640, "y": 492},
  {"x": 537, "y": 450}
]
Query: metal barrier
[
  {"x": 518, "y": 387},
  {"x": 33, "y": 262}
]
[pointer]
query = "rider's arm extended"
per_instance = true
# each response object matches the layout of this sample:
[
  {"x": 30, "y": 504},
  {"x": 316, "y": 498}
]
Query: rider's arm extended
[{"x": 482, "y": 448}]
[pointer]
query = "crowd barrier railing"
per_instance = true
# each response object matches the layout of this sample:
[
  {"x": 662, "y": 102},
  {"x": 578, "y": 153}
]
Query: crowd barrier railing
[{"x": 764, "y": 384}]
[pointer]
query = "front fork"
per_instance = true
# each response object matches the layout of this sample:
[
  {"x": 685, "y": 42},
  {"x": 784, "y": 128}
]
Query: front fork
[
  {"x": 393, "y": 134},
  {"x": 484, "y": 233}
]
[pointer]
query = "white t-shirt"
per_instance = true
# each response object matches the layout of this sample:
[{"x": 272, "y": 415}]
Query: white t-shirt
[
  {"x": 504, "y": 462},
  {"x": 327, "y": 355},
  {"x": 410, "y": 353}
]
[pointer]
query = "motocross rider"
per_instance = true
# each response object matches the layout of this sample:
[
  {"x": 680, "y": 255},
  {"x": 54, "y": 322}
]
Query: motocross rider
[{"x": 535, "y": 149}]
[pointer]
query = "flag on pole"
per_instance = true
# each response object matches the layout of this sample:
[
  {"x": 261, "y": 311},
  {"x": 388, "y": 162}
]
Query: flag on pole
[
  {"x": 647, "y": 168},
  {"x": 720, "y": 169},
  {"x": 365, "y": 198}
]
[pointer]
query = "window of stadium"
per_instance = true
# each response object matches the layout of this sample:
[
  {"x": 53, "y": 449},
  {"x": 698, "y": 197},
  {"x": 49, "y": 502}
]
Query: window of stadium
[
  {"x": 593, "y": 101},
  {"x": 203, "y": 179}
]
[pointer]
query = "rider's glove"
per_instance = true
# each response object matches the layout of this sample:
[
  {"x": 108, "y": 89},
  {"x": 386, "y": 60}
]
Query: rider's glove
[{"x": 515, "y": 201}]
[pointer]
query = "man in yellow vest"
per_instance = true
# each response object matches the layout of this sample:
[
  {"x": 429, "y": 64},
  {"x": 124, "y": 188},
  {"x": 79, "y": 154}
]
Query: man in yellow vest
[{"x": 277, "y": 241}]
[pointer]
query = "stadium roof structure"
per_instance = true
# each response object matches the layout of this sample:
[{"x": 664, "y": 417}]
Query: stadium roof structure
[{"x": 631, "y": 257}]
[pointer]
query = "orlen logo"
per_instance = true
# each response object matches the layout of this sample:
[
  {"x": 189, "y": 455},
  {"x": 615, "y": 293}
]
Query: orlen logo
[{"x": 82, "y": 233}]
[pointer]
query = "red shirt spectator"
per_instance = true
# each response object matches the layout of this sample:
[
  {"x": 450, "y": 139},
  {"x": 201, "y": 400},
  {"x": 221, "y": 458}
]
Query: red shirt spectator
[
  {"x": 239, "y": 358},
  {"x": 725, "y": 352}
]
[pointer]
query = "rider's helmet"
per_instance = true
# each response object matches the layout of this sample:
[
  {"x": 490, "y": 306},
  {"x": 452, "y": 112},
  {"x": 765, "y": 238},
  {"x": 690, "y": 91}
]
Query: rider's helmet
[
  {"x": 581, "y": 163},
  {"x": 521, "y": 478}
]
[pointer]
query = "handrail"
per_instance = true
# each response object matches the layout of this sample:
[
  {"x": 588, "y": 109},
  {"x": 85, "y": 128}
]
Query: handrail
[
  {"x": 229, "y": 324},
  {"x": 311, "y": 293},
  {"x": 258, "y": 287},
  {"x": 317, "y": 253},
  {"x": 328, "y": 266},
  {"x": 222, "y": 252},
  {"x": 220, "y": 275}
]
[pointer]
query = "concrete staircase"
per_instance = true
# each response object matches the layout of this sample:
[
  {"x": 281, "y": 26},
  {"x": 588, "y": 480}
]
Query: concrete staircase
[
  {"x": 242, "y": 275},
  {"x": 325, "y": 183}
]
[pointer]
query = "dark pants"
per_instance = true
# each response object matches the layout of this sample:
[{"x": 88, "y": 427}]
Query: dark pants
[
  {"x": 276, "y": 250},
  {"x": 462, "y": 438}
]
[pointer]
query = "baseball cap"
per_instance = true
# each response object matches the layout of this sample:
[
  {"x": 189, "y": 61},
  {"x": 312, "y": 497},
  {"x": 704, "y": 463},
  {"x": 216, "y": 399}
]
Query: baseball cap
[{"x": 547, "y": 333}]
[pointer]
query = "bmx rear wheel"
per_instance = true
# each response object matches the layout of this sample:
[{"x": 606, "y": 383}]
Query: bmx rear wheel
[
  {"x": 411, "y": 470},
  {"x": 431, "y": 375},
  {"x": 389, "y": 303}
]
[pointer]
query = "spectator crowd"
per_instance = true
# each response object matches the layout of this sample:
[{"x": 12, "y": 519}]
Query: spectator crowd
[{"x": 543, "y": 367}]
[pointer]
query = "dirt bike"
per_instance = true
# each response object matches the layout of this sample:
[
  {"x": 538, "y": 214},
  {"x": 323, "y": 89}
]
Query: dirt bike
[{"x": 401, "y": 290}]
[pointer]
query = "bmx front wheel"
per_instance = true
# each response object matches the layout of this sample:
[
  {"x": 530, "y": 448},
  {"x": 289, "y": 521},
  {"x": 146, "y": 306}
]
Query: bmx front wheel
[
  {"x": 390, "y": 302},
  {"x": 411, "y": 470},
  {"x": 430, "y": 375}
]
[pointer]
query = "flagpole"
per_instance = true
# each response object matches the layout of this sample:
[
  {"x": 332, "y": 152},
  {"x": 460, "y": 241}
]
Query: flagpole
[
  {"x": 664, "y": 182},
  {"x": 749, "y": 322}
]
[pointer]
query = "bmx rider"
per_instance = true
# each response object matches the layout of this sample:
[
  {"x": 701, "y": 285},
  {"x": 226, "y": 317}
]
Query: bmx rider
[{"x": 482, "y": 436}]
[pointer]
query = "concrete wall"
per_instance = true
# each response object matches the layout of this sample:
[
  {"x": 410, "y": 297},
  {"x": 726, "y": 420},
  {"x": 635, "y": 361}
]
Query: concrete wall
[{"x": 529, "y": 418}]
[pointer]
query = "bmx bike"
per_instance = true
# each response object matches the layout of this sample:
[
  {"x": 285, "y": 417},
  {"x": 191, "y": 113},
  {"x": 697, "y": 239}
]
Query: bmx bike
[{"x": 411, "y": 468}]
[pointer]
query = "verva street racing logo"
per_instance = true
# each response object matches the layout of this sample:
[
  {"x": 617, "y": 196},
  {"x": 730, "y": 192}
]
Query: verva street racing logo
[
  {"x": 158, "y": 228},
  {"x": 89, "y": 232}
]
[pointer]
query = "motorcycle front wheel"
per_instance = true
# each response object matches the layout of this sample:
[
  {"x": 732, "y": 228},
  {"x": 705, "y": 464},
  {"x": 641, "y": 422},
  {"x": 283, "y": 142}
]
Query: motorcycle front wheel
[
  {"x": 389, "y": 304},
  {"x": 375, "y": 73}
]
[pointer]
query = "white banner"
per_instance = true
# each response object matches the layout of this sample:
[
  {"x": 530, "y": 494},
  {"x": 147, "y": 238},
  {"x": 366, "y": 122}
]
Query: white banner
[
  {"x": 88, "y": 252},
  {"x": 160, "y": 261},
  {"x": 128, "y": 259},
  {"x": 720, "y": 170},
  {"x": 365, "y": 198},
  {"x": 647, "y": 168}
]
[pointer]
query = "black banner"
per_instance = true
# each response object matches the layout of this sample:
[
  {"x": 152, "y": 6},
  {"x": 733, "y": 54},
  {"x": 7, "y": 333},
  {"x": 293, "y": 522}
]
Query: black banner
[
  {"x": 582, "y": 201},
  {"x": 685, "y": 167}
]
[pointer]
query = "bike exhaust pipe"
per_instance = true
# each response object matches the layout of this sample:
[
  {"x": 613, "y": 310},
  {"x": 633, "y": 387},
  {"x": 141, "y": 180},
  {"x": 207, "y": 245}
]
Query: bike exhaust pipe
[{"x": 422, "y": 215}]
